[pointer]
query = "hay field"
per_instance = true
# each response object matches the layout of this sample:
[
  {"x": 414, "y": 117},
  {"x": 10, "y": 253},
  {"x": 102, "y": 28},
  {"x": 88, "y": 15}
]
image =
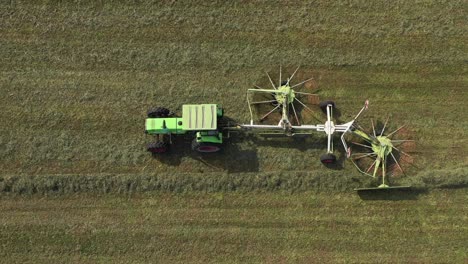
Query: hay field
[
  {"x": 234, "y": 228},
  {"x": 76, "y": 79}
]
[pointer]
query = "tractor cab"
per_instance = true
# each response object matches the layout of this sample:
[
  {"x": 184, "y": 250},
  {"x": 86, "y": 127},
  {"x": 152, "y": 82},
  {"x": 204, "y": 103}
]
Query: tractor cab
[{"x": 199, "y": 119}]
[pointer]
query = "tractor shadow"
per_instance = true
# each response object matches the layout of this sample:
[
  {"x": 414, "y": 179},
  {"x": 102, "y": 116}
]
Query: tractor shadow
[
  {"x": 234, "y": 156},
  {"x": 391, "y": 194},
  {"x": 237, "y": 155}
]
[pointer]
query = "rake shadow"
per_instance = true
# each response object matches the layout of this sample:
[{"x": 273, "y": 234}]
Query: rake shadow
[{"x": 391, "y": 194}]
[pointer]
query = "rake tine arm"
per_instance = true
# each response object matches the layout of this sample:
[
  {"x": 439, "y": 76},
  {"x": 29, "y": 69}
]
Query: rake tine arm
[
  {"x": 398, "y": 129},
  {"x": 280, "y": 77},
  {"x": 271, "y": 81},
  {"x": 401, "y": 151},
  {"x": 263, "y": 102},
  {"x": 290, "y": 78},
  {"x": 295, "y": 114},
  {"x": 302, "y": 82},
  {"x": 396, "y": 162},
  {"x": 362, "y": 145},
  {"x": 305, "y": 93},
  {"x": 372, "y": 165},
  {"x": 363, "y": 155},
  {"x": 373, "y": 127},
  {"x": 265, "y": 116},
  {"x": 383, "y": 129},
  {"x": 306, "y": 107}
]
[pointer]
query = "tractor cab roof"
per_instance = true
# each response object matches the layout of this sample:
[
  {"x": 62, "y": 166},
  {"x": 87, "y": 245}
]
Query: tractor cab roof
[{"x": 199, "y": 117}]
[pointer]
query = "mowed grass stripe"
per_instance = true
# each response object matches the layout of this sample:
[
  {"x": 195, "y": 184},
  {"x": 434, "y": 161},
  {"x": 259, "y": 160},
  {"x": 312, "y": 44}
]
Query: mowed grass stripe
[{"x": 235, "y": 227}]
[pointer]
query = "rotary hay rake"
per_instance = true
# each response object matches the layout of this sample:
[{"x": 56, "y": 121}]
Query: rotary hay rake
[
  {"x": 283, "y": 99},
  {"x": 377, "y": 154},
  {"x": 379, "y": 147}
]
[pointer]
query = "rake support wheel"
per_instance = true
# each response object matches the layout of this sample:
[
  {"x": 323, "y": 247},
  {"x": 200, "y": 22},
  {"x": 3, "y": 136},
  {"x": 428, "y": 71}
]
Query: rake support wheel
[
  {"x": 323, "y": 105},
  {"x": 328, "y": 158}
]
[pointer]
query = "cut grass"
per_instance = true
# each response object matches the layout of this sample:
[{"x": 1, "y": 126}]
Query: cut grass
[
  {"x": 235, "y": 228},
  {"x": 76, "y": 79}
]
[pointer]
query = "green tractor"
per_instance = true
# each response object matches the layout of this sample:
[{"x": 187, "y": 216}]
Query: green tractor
[{"x": 200, "y": 120}]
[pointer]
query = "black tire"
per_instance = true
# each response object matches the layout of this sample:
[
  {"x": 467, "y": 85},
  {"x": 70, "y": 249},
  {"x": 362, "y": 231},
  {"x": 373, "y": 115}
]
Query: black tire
[
  {"x": 158, "y": 112},
  {"x": 323, "y": 105},
  {"x": 157, "y": 147},
  {"x": 205, "y": 147},
  {"x": 328, "y": 159}
]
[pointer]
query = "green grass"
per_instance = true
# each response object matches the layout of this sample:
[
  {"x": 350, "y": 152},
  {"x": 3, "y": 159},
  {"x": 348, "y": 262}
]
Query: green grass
[
  {"x": 235, "y": 228},
  {"x": 76, "y": 79}
]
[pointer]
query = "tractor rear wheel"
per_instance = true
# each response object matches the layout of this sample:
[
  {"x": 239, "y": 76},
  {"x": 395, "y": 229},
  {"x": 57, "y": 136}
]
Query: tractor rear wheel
[
  {"x": 205, "y": 147},
  {"x": 328, "y": 158},
  {"x": 157, "y": 147},
  {"x": 158, "y": 112},
  {"x": 323, "y": 105}
]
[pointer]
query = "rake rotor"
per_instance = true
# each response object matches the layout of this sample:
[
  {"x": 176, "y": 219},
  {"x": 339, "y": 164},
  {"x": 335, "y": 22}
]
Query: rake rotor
[
  {"x": 378, "y": 153},
  {"x": 281, "y": 98}
]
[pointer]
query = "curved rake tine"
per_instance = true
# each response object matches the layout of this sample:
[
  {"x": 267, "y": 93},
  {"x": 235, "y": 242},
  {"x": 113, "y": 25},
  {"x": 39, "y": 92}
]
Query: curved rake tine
[
  {"x": 271, "y": 81},
  {"x": 373, "y": 127},
  {"x": 396, "y": 162},
  {"x": 295, "y": 114},
  {"x": 290, "y": 78},
  {"x": 398, "y": 129},
  {"x": 383, "y": 129},
  {"x": 263, "y": 102},
  {"x": 280, "y": 77},
  {"x": 302, "y": 82},
  {"x": 362, "y": 145},
  {"x": 265, "y": 116}
]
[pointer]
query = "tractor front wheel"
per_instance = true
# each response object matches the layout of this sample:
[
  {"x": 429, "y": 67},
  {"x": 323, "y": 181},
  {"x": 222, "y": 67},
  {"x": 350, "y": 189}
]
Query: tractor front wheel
[
  {"x": 157, "y": 147},
  {"x": 205, "y": 147},
  {"x": 328, "y": 158},
  {"x": 158, "y": 112}
]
